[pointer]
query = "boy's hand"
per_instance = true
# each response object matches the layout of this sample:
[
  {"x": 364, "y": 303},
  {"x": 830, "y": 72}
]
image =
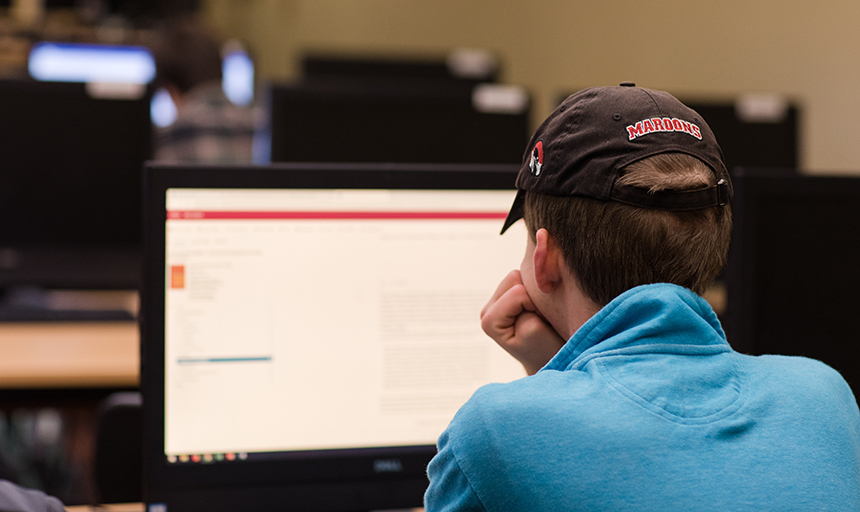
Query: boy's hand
[{"x": 512, "y": 320}]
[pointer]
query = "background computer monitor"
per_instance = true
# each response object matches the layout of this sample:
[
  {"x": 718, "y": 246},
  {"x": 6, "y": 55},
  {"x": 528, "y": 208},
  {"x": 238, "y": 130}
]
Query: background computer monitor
[
  {"x": 754, "y": 131},
  {"x": 460, "y": 66},
  {"x": 792, "y": 277},
  {"x": 358, "y": 121},
  {"x": 310, "y": 329},
  {"x": 70, "y": 178}
]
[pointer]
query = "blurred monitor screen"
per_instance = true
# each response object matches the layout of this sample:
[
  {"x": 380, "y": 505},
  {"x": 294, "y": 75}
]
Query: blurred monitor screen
[
  {"x": 238, "y": 77},
  {"x": 68, "y": 62}
]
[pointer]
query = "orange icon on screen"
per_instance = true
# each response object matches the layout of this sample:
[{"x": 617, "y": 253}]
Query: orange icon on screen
[{"x": 177, "y": 277}]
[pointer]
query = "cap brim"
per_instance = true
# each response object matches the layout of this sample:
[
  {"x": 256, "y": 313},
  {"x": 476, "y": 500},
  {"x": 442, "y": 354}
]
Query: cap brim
[{"x": 517, "y": 210}]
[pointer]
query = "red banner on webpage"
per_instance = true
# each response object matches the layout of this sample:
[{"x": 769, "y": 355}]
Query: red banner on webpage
[{"x": 330, "y": 215}]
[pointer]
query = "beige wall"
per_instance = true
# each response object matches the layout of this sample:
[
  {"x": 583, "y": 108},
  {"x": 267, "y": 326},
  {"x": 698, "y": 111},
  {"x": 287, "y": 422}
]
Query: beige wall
[{"x": 807, "y": 51}]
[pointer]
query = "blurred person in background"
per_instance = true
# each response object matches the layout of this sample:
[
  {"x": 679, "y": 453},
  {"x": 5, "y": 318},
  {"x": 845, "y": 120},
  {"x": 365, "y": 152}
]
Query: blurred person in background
[{"x": 209, "y": 128}]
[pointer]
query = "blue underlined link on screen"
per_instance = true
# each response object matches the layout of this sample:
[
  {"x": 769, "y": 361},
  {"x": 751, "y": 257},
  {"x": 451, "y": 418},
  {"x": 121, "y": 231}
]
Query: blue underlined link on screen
[{"x": 208, "y": 360}]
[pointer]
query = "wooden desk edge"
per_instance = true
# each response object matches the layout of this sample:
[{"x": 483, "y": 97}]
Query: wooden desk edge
[
  {"x": 69, "y": 355},
  {"x": 113, "y": 507}
]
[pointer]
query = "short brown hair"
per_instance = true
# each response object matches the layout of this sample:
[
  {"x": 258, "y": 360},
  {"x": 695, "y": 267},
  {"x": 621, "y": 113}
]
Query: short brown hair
[
  {"x": 186, "y": 54},
  {"x": 611, "y": 247}
]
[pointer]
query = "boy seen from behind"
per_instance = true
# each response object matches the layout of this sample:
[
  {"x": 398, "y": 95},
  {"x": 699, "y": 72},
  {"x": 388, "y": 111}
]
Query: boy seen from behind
[{"x": 635, "y": 400}]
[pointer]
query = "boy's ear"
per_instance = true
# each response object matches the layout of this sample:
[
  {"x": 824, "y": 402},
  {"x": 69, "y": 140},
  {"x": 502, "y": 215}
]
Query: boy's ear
[{"x": 548, "y": 262}]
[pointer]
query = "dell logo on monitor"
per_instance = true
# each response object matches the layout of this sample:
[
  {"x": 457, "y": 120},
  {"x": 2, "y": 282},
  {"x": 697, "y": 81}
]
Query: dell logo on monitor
[{"x": 387, "y": 466}]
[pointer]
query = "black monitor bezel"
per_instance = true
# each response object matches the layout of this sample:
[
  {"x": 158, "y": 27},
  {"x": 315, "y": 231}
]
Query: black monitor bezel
[
  {"x": 355, "y": 121},
  {"x": 336, "y": 480},
  {"x": 750, "y": 186}
]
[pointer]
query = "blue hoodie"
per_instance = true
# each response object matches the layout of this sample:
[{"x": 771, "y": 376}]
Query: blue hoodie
[{"x": 647, "y": 407}]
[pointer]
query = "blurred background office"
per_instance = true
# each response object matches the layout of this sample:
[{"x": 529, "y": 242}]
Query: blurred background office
[
  {"x": 794, "y": 50},
  {"x": 778, "y": 78},
  {"x": 801, "y": 52}
]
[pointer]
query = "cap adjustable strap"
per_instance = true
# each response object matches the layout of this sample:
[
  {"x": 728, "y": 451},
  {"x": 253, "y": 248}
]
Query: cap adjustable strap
[{"x": 718, "y": 195}]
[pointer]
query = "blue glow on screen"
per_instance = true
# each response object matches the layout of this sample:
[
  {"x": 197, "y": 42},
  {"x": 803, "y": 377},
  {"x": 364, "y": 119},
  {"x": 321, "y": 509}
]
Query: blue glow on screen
[
  {"x": 238, "y": 77},
  {"x": 162, "y": 110},
  {"x": 68, "y": 62}
]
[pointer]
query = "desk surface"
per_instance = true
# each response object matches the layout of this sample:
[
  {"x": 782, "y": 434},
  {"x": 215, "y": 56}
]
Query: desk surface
[
  {"x": 83, "y": 354},
  {"x": 121, "y": 507}
]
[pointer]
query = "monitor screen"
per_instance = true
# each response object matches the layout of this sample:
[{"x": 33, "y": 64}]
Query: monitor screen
[
  {"x": 309, "y": 331},
  {"x": 77, "y": 62},
  {"x": 237, "y": 75},
  {"x": 70, "y": 185},
  {"x": 349, "y": 121},
  {"x": 792, "y": 277}
]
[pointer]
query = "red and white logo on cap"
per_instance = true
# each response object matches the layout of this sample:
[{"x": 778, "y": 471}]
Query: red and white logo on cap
[
  {"x": 663, "y": 124},
  {"x": 536, "y": 162}
]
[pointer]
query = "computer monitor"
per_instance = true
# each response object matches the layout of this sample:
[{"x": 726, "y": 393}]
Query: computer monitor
[
  {"x": 89, "y": 63},
  {"x": 70, "y": 185},
  {"x": 309, "y": 330},
  {"x": 465, "y": 65},
  {"x": 754, "y": 131},
  {"x": 388, "y": 122},
  {"x": 792, "y": 277}
]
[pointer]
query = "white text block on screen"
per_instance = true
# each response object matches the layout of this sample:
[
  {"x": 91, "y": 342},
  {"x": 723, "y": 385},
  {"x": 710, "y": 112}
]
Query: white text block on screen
[{"x": 320, "y": 319}]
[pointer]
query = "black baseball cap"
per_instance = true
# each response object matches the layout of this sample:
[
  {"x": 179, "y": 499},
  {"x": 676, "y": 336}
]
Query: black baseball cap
[{"x": 581, "y": 148}]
